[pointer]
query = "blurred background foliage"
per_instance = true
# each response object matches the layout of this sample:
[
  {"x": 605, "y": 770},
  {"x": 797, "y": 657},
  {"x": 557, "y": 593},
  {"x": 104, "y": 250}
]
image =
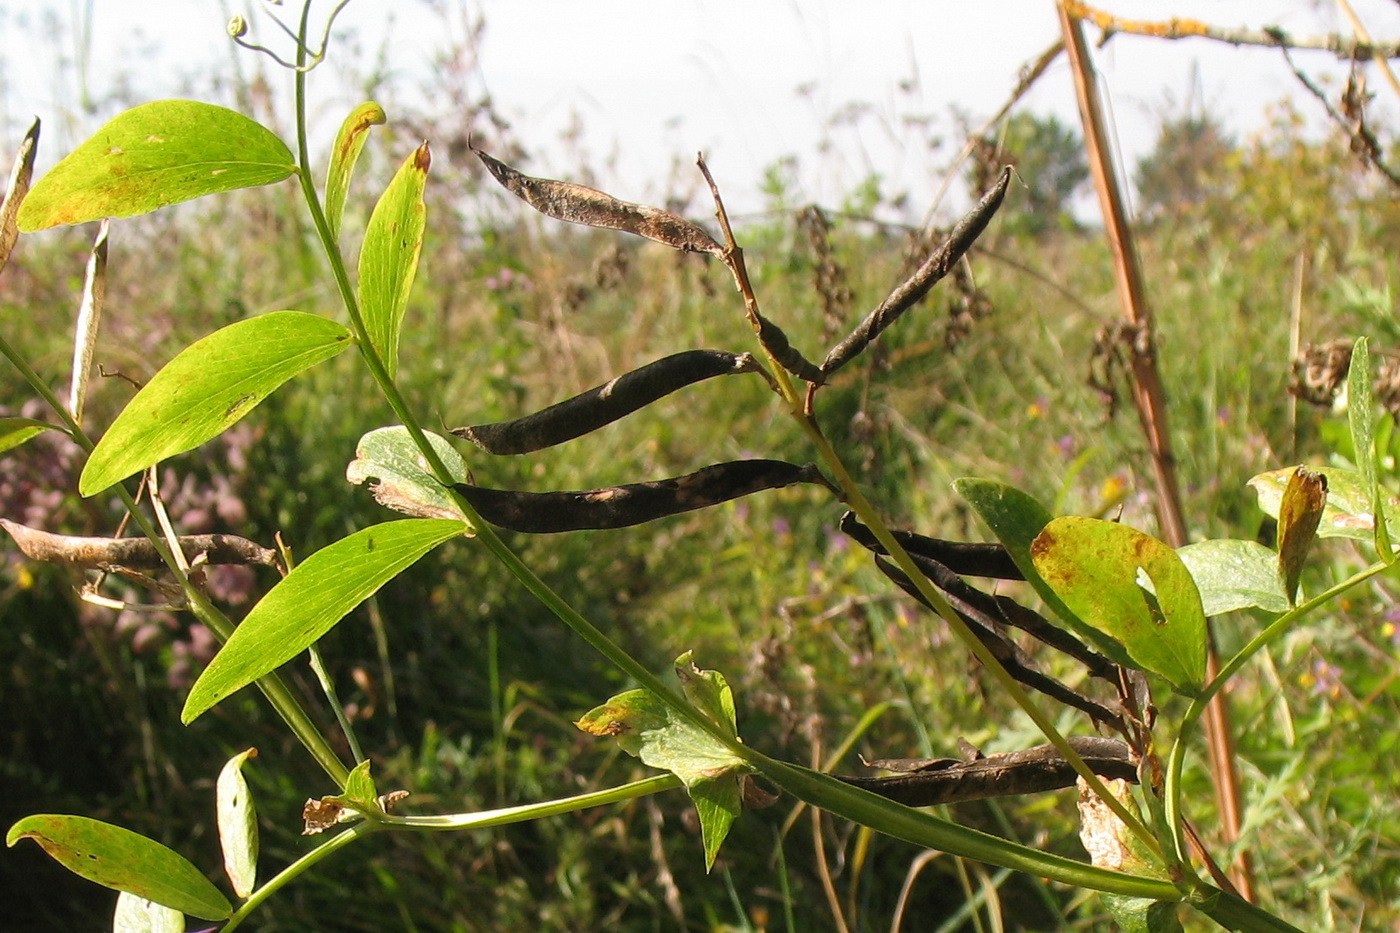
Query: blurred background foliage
[{"x": 464, "y": 689}]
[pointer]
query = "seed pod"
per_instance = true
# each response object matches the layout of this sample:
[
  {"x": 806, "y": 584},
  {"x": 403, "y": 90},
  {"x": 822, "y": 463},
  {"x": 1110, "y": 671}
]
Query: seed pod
[
  {"x": 983, "y": 617},
  {"x": 788, "y": 356},
  {"x": 977, "y": 560},
  {"x": 606, "y": 403},
  {"x": 577, "y": 204},
  {"x": 925, "y": 277},
  {"x": 132, "y": 553},
  {"x": 1012, "y": 773},
  {"x": 620, "y": 506}
]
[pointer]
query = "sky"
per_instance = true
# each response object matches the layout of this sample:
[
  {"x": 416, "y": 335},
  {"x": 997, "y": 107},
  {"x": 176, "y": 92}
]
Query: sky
[{"x": 647, "y": 84}]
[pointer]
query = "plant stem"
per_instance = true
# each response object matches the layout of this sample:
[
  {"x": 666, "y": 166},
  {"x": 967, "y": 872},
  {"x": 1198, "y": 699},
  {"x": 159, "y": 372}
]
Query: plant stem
[
  {"x": 295, "y": 870},
  {"x": 533, "y": 811}
]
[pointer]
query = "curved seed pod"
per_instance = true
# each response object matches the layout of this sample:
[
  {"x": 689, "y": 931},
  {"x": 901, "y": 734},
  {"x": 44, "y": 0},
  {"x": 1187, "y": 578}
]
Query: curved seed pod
[
  {"x": 925, "y": 277},
  {"x": 577, "y": 204},
  {"x": 983, "y": 618},
  {"x": 977, "y": 560},
  {"x": 620, "y": 506},
  {"x": 606, "y": 403},
  {"x": 1025, "y": 772}
]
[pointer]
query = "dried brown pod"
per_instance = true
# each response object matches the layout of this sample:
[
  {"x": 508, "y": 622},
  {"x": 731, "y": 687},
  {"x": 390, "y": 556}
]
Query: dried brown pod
[
  {"x": 925, "y": 277},
  {"x": 132, "y": 553},
  {"x": 578, "y": 204},
  {"x": 621, "y": 506},
  {"x": 606, "y": 403},
  {"x": 1011, "y": 773}
]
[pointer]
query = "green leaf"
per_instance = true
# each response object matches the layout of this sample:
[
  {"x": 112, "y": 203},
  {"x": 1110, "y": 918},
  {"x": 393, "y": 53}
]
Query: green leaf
[
  {"x": 649, "y": 729},
  {"x": 359, "y": 790},
  {"x": 1300, "y": 511},
  {"x": 1016, "y": 519},
  {"x": 138, "y": 915},
  {"x": 1232, "y": 574},
  {"x": 404, "y": 483},
  {"x": 238, "y": 824},
  {"x": 311, "y": 600},
  {"x": 1131, "y": 587},
  {"x": 1348, "y": 513},
  {"x": 16, "y": 431},
  {"x": 209, "y": 386},
  {"x": 709, "y": 692},
  {"x": 344, "y": 154},
  {"x": 389, "y": 256},
  {"x": 1361, "y": 418},
  {"x": 1141, "y": 914},
  {"x": 153, "y": 155},
  {"x": 126, "y": 861}
]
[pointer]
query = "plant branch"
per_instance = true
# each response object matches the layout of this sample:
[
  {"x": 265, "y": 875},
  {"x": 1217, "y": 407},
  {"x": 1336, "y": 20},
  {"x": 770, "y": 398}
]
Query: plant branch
[{"x": 1269, "y": 36}]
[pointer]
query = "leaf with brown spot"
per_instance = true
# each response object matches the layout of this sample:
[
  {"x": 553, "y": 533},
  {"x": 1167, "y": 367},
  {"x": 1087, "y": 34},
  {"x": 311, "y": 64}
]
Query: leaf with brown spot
[{"x": 577, "y": 204}]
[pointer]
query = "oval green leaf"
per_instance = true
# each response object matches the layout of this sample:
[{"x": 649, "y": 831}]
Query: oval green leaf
[
  {"x": 125, "y": 861},
  {"x": 138, "y": 915},
  {"x": 209, "y": 386},
  {"x": 311, "y": 600},
  {"x": 1134, "y": 589},
  {"x": 402, "y": 483},
  {"x": 1016, "y": 519},
  {"x": 389, "y": 255},
  {"x": 154, "y": 155},
  {"x": 238, "y": 824},
  {"x": 349, "y": 141},
  {"x": 1361, "y": 419},
  {"x": 1232, "y": 574}
]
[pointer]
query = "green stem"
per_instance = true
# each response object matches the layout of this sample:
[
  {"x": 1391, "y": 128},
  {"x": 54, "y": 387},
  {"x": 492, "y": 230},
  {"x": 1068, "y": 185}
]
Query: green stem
[
  {"x": 295, "y": 870},
  {"x": 534, "y": 811},
  {"x": 1198, "y": 705}
]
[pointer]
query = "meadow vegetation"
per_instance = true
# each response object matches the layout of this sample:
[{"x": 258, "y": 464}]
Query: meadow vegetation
[{"x": 465, "y": 687}]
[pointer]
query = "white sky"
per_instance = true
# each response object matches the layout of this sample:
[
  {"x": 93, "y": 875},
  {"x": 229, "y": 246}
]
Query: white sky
[{"x": 655, "y": 80}]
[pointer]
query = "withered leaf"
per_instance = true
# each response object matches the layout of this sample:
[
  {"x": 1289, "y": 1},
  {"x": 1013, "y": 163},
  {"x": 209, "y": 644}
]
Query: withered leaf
[
  {"x": 320, "y": 815},
  {"x": 1299, "y": 514},
  {"x": 620, "y": 506},
  {"x": 577, "y": 204},
  {"x": 606, "y": 403}
]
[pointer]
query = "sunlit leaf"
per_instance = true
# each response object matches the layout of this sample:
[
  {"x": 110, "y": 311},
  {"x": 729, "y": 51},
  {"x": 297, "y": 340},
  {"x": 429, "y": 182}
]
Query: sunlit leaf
[
  {"x": 1347, "y": 513},
  {"x": 1016, "y": 519},
  {"x": 310, "y": 600},
  {"x": 138, "y": 915},
  {"x": 349, "y": 141},
  {"x": 651, "y": 730},
  {"x": 1131, "y": 587},
  {"x": 403, "y": 483},
  {"x": 1361, "y": 418},
  {"x": 1142, "y": 915},
  {"x": 16, "y": 190},
  {"x": 153, "y": 155},
  {"x": 209, "y": 386},
  {"x": 238, "y": 824},
  {"x": 16, "y": 431},
  {"x": 389, "y": 256},
  {"x": 359, "y": 787},
  {"x": 1232, "y": 574},
  {"x": 126, "y": 861},
  {"x": 1300, "y": 512}
]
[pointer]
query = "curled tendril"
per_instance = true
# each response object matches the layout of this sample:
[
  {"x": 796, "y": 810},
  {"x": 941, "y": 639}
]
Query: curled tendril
[{"x": 238, "y": 28}]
